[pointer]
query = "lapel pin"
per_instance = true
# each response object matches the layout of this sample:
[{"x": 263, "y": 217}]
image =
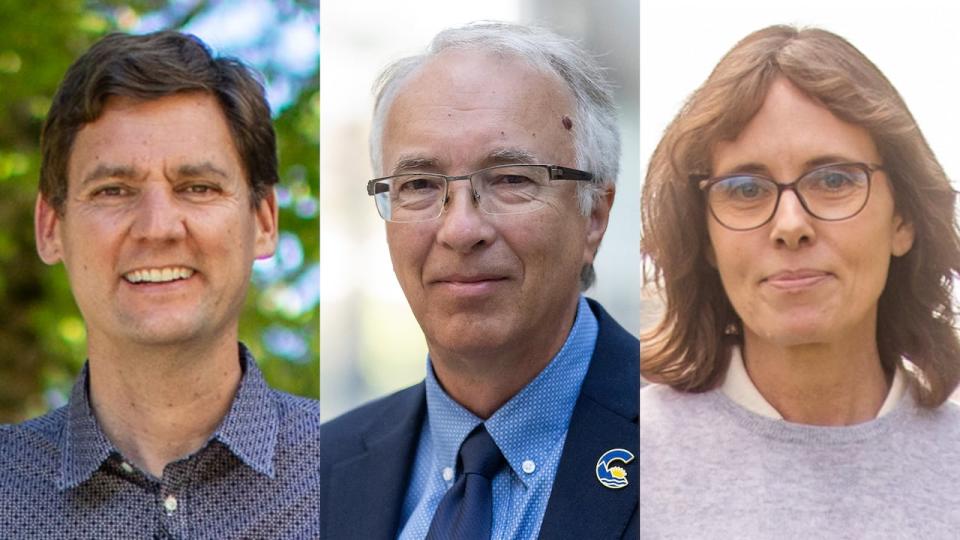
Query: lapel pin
[{"x": 608, "y": 473}]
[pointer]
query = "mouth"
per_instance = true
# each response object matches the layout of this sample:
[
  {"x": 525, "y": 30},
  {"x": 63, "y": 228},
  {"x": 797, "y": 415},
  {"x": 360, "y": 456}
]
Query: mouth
[
  {"x": 166, "y": 274},
  {"x": 470, "y": 284},
  {"x": 470, "y": 278},
  {"x": 797, "y": 280}
]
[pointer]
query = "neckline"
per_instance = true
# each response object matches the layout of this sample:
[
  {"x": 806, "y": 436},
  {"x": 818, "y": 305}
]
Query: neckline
[
  {"x": 791, "y": 432},
  {"x": 740, "y": 388}
]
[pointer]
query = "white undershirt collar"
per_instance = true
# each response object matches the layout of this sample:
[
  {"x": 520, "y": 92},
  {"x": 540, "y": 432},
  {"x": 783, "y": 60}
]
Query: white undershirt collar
[{"x": 740, "y": 389}]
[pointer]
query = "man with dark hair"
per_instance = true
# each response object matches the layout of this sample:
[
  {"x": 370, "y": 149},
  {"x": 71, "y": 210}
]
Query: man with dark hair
[
  {"x": 156, "y": 193},
  {"x": 496, "y": 154}
]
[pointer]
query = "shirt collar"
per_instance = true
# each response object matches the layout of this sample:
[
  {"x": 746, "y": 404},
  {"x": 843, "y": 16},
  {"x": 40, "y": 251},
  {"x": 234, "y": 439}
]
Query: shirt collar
[
  {"x": 249, "y": 429},
  {"x": 738, "y": 386},
  {"x": 531, "y": 423},
  {"x": 83, "y": 445}
]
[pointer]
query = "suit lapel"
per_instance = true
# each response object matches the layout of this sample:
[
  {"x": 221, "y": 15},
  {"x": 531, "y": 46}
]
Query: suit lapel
[
  {"x": 370, "y": 487},
  {"x": 604, "y": 418}
]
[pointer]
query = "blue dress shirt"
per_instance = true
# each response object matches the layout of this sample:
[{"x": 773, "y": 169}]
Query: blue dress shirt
[{"x": 530, "y": 430}]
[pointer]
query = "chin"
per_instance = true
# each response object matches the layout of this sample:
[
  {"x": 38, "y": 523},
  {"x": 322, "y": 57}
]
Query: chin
[
  {"x": 461, "y": 335},
  {"x": 795, "y": 334},
  {"x": 168, "y": 331}
]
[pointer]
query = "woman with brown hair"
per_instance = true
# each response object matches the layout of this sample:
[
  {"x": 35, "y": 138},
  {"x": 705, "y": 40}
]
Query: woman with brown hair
[{"x": 803, "y": 235}]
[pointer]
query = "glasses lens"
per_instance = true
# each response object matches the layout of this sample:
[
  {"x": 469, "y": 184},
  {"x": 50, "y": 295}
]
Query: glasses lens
[
  {"x": 742, "y": 201},
  {"x": 409, "y": 197},
  {"x": 512, "y": 189},
  {"x": 835, "y": 191}
]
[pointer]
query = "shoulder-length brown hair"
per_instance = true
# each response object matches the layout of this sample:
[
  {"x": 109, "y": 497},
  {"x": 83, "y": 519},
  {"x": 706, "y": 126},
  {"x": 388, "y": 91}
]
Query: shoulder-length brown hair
[{"x": 689, "y": 349}]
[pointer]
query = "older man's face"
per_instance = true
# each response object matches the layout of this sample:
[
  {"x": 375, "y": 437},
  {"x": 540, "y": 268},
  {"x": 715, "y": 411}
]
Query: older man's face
[
  {"x": 157, "y": 235},
  {"x": 479, "y": 283}
]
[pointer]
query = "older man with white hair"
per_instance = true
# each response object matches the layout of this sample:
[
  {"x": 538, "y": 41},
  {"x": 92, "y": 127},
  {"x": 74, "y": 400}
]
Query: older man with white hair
[{"x": 497, "y": 154}]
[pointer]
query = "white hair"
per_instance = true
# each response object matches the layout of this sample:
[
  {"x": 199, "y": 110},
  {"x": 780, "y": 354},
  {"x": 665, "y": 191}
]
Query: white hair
[{"x": 595, "y": 135}]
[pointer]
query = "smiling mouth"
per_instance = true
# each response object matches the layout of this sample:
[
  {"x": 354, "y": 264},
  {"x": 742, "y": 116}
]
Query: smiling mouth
[{"x": 158, "y": 275}]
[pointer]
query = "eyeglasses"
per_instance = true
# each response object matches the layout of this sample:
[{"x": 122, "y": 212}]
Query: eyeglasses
[
  {"x": 748, "y": 201},
  {"x": 504, "y": 189}
]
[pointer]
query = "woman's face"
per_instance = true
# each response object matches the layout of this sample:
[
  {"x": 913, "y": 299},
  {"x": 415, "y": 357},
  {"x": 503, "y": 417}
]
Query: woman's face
[{"x": 798, "y": 280}]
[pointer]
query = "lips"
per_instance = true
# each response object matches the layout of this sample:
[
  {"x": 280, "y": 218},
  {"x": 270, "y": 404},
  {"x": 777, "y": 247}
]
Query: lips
[
  {"x": 469, "y": 285},
  {"x": 469, "y": 278},
  {"x": 797, "y": 280},
  {"x": 165, "y": 274}
]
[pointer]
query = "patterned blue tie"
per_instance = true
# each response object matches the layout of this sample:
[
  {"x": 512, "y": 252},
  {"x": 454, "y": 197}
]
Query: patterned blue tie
[{"x": 466, "y": 511}]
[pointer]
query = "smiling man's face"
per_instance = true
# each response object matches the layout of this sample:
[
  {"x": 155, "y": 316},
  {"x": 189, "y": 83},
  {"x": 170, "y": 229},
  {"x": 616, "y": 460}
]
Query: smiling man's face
[
  {"x": 157, "y": 233},
  {"x": 481, "y": 283}
]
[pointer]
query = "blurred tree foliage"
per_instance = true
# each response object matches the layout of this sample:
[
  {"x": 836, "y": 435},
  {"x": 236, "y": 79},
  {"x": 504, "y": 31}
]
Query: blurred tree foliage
[{"x": 42, "y": 337}]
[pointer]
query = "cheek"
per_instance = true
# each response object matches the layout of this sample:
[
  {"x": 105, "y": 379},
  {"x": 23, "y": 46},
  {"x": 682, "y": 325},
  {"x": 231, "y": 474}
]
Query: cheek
[
  {"x": 548, "y": 248},
  {"x": 77, "y": 247},
  {"x": 869, "y": 262},
  {"x": 734, "y": 260},
  {"x": 727, "y": 253},
  {"x": 408, "y": 247}
]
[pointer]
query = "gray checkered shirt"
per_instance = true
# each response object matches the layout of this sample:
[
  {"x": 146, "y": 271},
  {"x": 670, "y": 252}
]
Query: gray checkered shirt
[{"x": 256, "y": 478}]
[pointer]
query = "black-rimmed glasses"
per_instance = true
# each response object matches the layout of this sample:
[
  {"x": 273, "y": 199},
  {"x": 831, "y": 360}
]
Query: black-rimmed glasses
[
  {"x": 831, "y": 192},
  {"x": 503, "y": 189}
]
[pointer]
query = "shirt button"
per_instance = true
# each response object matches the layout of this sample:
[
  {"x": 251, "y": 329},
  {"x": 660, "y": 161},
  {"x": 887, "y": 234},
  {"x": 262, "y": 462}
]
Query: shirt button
[
  {"x": 448, "y": 473},
  {"x": 127, "y": 468},
  {"x": 529, "y": 466},
  {"x": 170, "y": 504}
]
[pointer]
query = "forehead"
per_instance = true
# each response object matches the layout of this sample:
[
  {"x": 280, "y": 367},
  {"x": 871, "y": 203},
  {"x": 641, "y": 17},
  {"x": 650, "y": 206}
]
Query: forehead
[
  {"x": 463, "y": 105},
  {"x": 789, "y": 131},
  {"x": 186, "y": 128}
]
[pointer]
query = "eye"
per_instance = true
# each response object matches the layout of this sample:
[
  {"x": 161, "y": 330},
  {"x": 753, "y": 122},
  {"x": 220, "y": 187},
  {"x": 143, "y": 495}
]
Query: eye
[
  {"x": 512, "y": 180},
  {"x": 200, "y": 189},
  {"x": 836, "y": 179},
  {"x": 418, "y": 184},
  {"x": 110, "y": 191},
  {"x": 747, "y": 190},
  {"x": 742, "y": 188}
]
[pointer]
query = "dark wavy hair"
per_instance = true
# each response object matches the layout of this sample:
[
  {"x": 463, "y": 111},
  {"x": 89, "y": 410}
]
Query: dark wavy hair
[
  {"x": 147, "y": 67},
  {"x": 689, "y": 348}
]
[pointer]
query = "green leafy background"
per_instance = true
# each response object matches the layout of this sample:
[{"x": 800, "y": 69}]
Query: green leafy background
[{"x": 42, "y": 337}]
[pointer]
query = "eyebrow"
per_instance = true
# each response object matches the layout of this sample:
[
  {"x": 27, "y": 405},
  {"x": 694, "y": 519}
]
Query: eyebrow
[
  {"x": 498, "y": 156},
  {"x": 509, "y": 155},
  {"x": 193, "y": 170},
  {"x": 415, "y": 163},
  {"x": 828, "y": 159},
  {"x": 761, "y": 169},
  {"x": 110, "y": 171},
  {"x": 129, "y": 172}
]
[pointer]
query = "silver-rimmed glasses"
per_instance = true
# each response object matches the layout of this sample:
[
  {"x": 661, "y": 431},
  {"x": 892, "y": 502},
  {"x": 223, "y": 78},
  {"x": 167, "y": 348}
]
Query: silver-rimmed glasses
[
  {"x": 503, "y": 189},
  {"x": 744, "y": 201}
]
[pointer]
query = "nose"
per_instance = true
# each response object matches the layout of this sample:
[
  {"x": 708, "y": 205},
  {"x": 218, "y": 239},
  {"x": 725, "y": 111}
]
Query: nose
[
  {"x": 463, "y": 226},
  {"x": 157, "y": 215},
  {"x": 792, "y": 224}
]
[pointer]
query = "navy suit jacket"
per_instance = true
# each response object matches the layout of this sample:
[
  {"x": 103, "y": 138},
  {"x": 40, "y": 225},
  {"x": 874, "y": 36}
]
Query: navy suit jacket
[{"x": 367, "y": 454}]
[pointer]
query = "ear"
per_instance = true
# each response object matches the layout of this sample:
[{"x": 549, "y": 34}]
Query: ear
[
  {"x": 267, "y": 223},
  {"x": 46, "y": 231},
  {"x": 597, "y": 223},
  {"x": 903, "y": 235}
]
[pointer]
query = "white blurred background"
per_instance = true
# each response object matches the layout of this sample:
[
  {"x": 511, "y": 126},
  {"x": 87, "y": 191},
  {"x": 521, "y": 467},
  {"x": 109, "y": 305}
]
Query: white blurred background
[
  {"x": 369, "y": 341},
  {"x": 916, "y": 44}
]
